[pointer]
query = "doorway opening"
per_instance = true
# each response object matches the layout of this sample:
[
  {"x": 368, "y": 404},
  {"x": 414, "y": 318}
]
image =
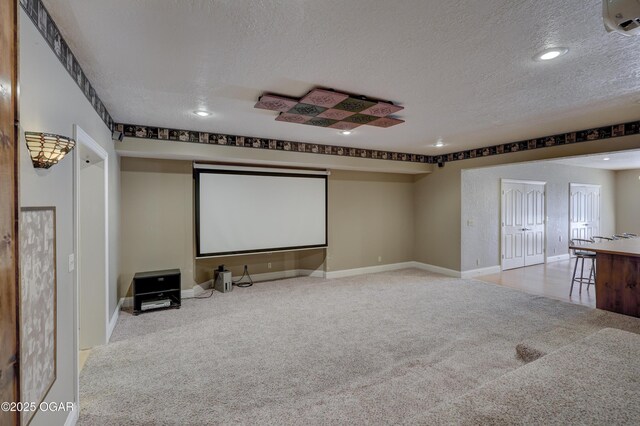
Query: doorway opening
[
  {"x": 584, "y": 211},
  {"x": 92, "y": 253}
]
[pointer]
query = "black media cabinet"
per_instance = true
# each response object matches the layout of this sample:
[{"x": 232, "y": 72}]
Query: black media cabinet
[{"x": 154, "y": 286}]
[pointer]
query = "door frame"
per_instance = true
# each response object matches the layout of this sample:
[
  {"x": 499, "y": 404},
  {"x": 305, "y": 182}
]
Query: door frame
[
  {"x": 522, "y": 181},
  {"x": 592, "y": 185},
  {"x": 87, "y": 142}
]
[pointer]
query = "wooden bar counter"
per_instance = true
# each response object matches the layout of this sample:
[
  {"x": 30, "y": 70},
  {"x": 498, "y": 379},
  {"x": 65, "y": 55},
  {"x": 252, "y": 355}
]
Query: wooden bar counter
[{"x": 617, "y": 275}]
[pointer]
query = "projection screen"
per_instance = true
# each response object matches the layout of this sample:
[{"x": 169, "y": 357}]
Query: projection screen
[{"x": 251, "y": 210}]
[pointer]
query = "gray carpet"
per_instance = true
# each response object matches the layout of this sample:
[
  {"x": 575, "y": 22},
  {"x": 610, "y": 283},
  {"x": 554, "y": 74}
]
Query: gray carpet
[
  {"x": 595, "y": 381},
  {"x": 379, "y": 349}
]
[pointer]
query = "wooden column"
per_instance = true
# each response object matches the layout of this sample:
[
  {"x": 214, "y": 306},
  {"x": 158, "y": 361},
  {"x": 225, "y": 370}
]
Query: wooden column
[
  {"x": 618, "y": 283},
  {"x": 9, "y": 345}
]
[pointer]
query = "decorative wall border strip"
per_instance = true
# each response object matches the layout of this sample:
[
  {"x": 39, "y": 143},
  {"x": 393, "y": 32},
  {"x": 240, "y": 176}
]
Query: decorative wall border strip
[
  {"x": 49, "y": 30},
  {"x": 162, "y": 133},
  {"x": 595, "y": 134}
]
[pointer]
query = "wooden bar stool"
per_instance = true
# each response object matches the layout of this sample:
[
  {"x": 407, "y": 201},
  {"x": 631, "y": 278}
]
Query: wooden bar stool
[{"x": 581, "y": 255}]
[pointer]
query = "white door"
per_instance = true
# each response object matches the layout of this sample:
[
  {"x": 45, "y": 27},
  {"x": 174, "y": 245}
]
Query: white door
[
  {"x": 534, "y": 224},
  {"x": 584, "y": 211},
  {"x": 523, "y": 223}
]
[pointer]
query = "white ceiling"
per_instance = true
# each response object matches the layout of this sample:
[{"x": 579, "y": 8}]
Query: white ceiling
[
  {"x": 463, "y": 69},
  {"x": 625, "y": 160}
]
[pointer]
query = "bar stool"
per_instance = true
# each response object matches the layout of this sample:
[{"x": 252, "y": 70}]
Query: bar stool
[
  {"x": 621, "y": 237},
  {"x": 581, "y": 255},
  {"x": 601, "y": 239}
]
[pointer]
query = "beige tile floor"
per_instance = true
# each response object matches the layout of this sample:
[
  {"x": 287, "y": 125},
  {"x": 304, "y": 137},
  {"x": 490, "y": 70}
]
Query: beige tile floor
[
  {"x": 550, "y": 280},
  {"x": 83, "y": 358}
]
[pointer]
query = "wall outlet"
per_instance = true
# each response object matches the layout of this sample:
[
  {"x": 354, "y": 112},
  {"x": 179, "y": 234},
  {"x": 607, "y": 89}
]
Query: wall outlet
[
  {"x": 560, "y": 238},
  {"x": 379, "y": 259},
  {"x": 269, "y": 265},
  {"x": 477, "y": 262},
  {"x": 72, "y": 262},
  {"x": 554, "y": 250}
]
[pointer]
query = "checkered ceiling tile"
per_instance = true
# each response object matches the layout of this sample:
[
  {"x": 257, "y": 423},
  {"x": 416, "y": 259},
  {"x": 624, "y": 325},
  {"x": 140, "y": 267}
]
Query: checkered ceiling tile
[{"x": 327, "y": 108}]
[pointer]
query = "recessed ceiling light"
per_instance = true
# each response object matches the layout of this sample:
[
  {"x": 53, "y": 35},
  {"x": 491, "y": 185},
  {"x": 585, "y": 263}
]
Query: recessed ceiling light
[
  {"x": 202, "y": 113},
  {"x": 552, "y": 53},
  {"x": 606, "y": 159},
  {"x": 346, "y": 132},
  {"x": 439, "y": 144}
]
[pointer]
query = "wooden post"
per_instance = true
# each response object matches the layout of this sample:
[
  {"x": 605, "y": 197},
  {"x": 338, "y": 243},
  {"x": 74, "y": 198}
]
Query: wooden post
[{"x": 9, "y": 296}]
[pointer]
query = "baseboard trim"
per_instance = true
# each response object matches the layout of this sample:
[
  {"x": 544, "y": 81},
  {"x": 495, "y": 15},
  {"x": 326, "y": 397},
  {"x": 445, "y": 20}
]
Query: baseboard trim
[
  {"x": 496, "y": 269},
  {"x": 72, "y": 417},
  {"x": 368, "y": 270},
  {"x": 558, "y": 258},
  {"x": 313, "y": 273},
  {"x": 114, "y": 319},
  {"x": 436, "y": 269}
]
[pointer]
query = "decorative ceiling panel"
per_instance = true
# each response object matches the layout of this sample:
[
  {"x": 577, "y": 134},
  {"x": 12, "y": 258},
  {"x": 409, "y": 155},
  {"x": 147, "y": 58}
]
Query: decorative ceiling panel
[{"x": 331, "y": 109}]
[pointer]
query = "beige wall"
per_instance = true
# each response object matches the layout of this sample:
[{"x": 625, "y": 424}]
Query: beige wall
[
  {"x": 438, "y": 197},
  {"x": 481, "y": 207},
  {"x": 628, "y": 201},
  {"x": 50, "y": 101},
  {"x": 156, "y": 210},
  {"x": 370, "y": 215}
]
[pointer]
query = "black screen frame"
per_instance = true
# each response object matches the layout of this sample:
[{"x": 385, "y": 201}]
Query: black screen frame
[{"x": 196, "y": 175}]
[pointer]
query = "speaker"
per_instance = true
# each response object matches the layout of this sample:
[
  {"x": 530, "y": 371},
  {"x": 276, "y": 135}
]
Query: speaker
[
  {"x": 117, "y": 136},
  {"x": 222, "y": 281}
]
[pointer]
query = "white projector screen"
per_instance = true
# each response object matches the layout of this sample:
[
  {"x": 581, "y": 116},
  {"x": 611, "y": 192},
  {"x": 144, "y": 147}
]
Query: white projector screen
[{"x": 247, "y": 211}]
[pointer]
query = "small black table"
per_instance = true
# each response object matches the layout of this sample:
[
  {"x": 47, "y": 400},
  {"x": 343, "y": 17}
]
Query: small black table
[{"x": 156, "y": 286}]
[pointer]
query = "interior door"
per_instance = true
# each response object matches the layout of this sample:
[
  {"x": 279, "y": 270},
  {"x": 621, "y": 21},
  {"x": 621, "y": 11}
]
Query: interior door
[
  {"x": 523, "y": 224},
  {"x": 9, "y": 348},
  {"x": 584, "y": 211},
  {"x": 512, "y": 225},
  {"x": 534, "y": 224}
]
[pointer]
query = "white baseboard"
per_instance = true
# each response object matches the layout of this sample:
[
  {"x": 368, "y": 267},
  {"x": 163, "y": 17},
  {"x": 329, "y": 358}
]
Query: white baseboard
[
  {"x": 72, "y": 417},
  {"x": 313, "y": 273},
  {"x": 436, "y": 269},
  {"x": 496, "y": 269},
  {"x": 558, "y": 258},
  {"x": 369, "y": 270},
  {"x": 114, "y": 319}
]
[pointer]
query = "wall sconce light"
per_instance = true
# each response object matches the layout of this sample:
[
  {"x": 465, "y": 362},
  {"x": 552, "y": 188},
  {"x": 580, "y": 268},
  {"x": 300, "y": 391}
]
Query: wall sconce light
[{"x": 47, "y": 149}]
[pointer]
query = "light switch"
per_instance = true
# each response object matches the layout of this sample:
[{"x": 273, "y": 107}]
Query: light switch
[
  {"x": 470, "y": 222},
  {"x": 72, "y": 262}
]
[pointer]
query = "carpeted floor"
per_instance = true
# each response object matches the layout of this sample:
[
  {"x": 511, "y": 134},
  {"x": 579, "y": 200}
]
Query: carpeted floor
[{"x": 380, "y": 348}]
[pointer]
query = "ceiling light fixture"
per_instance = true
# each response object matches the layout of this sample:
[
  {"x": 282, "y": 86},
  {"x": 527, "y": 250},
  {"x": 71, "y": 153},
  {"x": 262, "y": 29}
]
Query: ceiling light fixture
[
  {"x": 552, "y": 53},
  {"x": 202, "y": 113},
  {"x": 346, "y": 132},
  {"x": 439, "y": 144},
  {"x": 606, "y": 159}
]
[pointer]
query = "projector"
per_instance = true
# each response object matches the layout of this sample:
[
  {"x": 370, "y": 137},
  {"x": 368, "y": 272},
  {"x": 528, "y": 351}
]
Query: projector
[
  {"x": 622, "y": 16},
  {"x": 222, "y": 280}
]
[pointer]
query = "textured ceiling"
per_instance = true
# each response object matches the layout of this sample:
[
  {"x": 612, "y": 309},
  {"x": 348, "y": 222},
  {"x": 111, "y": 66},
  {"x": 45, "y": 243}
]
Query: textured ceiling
[
  {"x": 463, "y": 69},
  {"x": 626, "y": 160}
]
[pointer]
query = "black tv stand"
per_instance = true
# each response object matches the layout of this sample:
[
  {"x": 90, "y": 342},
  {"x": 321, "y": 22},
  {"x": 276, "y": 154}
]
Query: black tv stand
[{"x": 155, "y": 286}]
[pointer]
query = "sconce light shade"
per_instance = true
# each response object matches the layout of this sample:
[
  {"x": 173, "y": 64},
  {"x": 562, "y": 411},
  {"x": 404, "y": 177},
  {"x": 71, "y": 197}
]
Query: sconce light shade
[{"x": 47, "y": 149}]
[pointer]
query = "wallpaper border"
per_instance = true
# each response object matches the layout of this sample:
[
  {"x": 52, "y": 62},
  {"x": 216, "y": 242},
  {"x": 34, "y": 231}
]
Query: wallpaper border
[
  {"x": 49, "y": 30},
  {"x": 179, "y": 135},
  {"x": 212, "y": 138}
]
